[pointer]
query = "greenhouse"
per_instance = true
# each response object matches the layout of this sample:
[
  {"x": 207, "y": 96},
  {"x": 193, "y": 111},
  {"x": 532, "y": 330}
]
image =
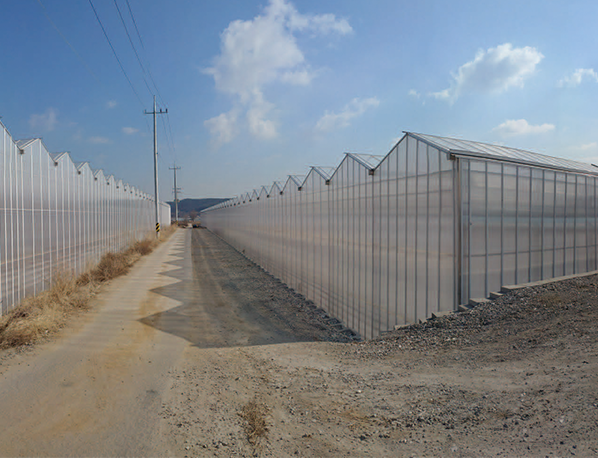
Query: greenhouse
[
  {"x": 58, "y": 216},
  {"x": 385, "y": 241}
]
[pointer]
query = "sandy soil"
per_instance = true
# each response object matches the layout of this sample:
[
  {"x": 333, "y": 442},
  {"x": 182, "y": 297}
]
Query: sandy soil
[{"x": 515, "y": 377}]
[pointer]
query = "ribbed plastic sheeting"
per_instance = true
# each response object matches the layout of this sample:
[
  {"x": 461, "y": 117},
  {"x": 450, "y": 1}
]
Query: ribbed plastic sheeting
[
  {"x": 424, "y": 230},
  {"x": 60, "y": 217},
  {"x": 524, "y": 224},
  {"x": 372, "y": 242}
]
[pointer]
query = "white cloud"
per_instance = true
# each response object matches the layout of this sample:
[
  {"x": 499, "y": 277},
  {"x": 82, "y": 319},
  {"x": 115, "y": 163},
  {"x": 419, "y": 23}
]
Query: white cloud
[
  {"x": 328, "y": 23},
  {"x": 298, "y": 78},
  {"x": 111, "y": 104},
  {"x": 414, "y": 93},
  {"x": 583, "y": 150},
  {"x": 494, "y": 70},
  {"x": 589, "y": 146},
  {"x": 223, "y": 127},
  {"x": 513, "y": 127},
  {"x": 323, "y": 23},
  {"x": 576, "y": 78},
  {"x": 259, "y": 125},
  {"x": 99, "y": 140},
  {"x": 259, "y": 52},
  {"x": 45, "y": 122},
  {"x": 129, "y": 130},
  {"x": 353, "y": 109}
]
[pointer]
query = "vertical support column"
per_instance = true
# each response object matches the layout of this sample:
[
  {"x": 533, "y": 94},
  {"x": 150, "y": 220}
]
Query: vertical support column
[
  {"x": 458, "y": 221},
  {"x": 486, "y": 292}
]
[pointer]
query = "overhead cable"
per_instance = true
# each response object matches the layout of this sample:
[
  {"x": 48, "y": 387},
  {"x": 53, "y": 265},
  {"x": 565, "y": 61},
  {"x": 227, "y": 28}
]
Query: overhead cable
[
  {"x": 68, "y": 43},
  {"x": 115, "y": 55},
  {"x": 133, "y": 46},
  {"x": 149, "y": 70},
  {"x": 146, "y": 69}
]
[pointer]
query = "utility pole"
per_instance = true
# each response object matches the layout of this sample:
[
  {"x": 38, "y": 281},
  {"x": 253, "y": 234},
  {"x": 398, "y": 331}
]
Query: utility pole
[
  {"x": 176, "y": 194},
  {"x": 156, "y": 164}
]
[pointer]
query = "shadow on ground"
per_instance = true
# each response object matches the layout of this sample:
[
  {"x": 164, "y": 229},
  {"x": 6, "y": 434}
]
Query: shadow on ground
[{"x": 223, "y": 303}]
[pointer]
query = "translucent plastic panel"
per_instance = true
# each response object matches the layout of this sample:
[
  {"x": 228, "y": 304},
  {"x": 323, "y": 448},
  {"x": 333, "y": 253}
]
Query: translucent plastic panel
[
  {"x": 411, "y": 230},
  {"x": 46, "y": 226},
  {"x": 494, "y": 198},
  {"x": 540, "y": 224},
  {"x": 523, "y": 225}
]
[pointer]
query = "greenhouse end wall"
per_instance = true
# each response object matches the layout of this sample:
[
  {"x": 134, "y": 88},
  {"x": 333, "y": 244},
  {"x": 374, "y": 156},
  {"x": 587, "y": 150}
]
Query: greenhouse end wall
[
  {"x": 57, "y": 217},
  {"x": 523, "y": 224},
  {"x": 374, "y": 247}
]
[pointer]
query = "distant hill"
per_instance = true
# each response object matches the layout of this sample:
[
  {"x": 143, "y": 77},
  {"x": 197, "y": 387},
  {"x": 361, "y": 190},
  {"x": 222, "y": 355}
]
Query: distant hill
[{"x": 188, "y": 205}]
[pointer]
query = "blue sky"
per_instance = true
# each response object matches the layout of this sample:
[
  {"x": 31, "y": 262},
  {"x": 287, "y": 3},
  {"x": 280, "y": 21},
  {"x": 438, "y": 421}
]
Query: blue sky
[{"x": 259, "y": 90}]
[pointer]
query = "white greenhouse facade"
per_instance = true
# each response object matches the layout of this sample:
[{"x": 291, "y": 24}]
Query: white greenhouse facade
[
  {"x": 385, "y": 241},
  {"x": 57, "y": 216}
]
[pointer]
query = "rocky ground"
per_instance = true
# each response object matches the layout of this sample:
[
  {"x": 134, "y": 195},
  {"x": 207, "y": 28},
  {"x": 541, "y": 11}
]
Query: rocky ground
[
  {"x": 514, "y": 377},
  {"x": 198, "y": 352}
]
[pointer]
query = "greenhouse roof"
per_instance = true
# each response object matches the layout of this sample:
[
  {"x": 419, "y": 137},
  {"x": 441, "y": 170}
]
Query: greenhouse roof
[
  {"x": 370, "y": 161},
  {"x": 23, "y": 143},
  {"x": 503, "y": 153},
  {"x": 324, "y": 172},
  {"x": 453, "y": 146}
]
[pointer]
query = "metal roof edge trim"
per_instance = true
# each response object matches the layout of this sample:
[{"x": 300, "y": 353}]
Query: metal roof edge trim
[
  {"x": 352, "y": 157},
  {"x": 356, "y": 158},
  {"x": 55, "y": 157},
  {"x": 386, "y": 156},
  {"x": 519, "y": 162},
  {"x": 314, "y": 171},
  {"x": 276, "y": 185},
  {"x": 295, "y": 179},
  {"x": 25, "y": 142}
]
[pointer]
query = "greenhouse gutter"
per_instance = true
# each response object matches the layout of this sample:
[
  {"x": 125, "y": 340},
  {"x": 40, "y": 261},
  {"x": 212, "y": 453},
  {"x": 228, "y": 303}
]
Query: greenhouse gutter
[{"x": 517, "y": 161}]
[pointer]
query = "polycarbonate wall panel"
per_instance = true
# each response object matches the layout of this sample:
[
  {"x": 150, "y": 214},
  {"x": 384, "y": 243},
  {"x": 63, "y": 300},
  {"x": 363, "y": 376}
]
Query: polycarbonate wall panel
[
  {"x": 373, "y": 249},
  {"x": 57, "y": 218},
  {"x": 523, "y": 224}
]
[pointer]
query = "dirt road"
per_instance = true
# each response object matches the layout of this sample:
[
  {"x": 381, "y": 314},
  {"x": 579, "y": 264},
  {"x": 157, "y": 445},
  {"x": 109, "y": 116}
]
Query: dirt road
[
  {"x": 100, "y": 389},
  {"x": 197, "y": 349}
]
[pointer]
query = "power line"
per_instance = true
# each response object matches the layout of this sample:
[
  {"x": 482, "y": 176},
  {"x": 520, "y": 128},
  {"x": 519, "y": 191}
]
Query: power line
[
  {"x": 147, "y": 71},
  {"x": 171, "y": 136},
  {"x": 133, "y": 46},
  {"x": 68, "y": 43},
  {"x": 115, "y": 55},
  {"x": 135, "y": 23},
  {"x": 91, "y": 72},
  {"x": 143, "y": 46},
  {"x": 169, "y": 139}
]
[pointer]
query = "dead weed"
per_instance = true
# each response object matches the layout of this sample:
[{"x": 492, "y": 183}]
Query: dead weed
[
  {"x": 45, "y": 313},
  {"x": 255, "y": 426}
]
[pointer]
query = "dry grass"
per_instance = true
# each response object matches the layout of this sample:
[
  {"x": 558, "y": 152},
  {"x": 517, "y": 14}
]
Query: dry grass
[
  {"x": 255, "y": 426},
  {"x": 45, "y": 313}
]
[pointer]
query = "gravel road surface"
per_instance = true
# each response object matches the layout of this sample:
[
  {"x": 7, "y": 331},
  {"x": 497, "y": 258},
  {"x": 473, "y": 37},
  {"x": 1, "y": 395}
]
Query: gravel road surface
[
  {"x": 101, "y": 387},
  {"x": 198, "y": 352}
]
